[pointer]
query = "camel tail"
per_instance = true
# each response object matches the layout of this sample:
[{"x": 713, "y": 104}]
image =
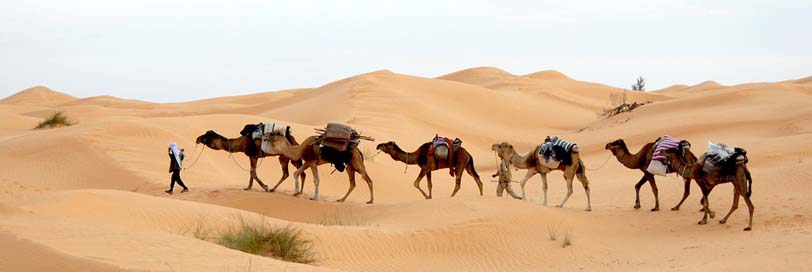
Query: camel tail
[
  {"x": 749, "y": 183},
  {"x": 471, "y": 164}
]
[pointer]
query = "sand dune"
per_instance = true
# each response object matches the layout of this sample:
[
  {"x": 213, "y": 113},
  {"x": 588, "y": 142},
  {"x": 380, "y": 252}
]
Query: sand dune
[{"x": 90, "y": 197}]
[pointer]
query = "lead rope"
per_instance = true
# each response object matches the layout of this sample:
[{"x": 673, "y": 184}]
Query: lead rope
[
  {"x": 235, "y": 160},
  {"x": 198, "y": 157},
  {"x": 604, "y": 163}
]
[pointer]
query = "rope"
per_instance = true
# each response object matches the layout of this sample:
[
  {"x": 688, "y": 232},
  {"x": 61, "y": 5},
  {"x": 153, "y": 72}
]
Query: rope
[
  {"x": 235, "y": 160},
  {"x": 604, "y": 163},
  {"x": 198, "y": 157}
]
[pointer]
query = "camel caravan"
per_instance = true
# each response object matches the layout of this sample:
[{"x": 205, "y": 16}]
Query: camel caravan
[{"x": 337, "y": 144}]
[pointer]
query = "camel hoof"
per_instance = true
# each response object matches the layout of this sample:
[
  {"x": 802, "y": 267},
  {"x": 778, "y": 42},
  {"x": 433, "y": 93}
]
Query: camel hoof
[
  {"x": 369, "y": 202},
  {"x": 272, "y": 190},
  {"x": 266, "y": 188},
  {"x": 748, "y": 229},
  {"x": 675, "y": 209},
  {"x": 655, "y": 209},
  {"x": 340, "y": 200},
  {"x": 247, "y": 188},
  {"x": 702, "y": 222},
  {"x": 559, "y": 206},
  {"x": 314, "y": 198},
  {"x": 297, "y": 194},
  {"x": 722, "y": 221},
  {"x": 588, "y": 209},
  {"x": 637, "y": 206}
]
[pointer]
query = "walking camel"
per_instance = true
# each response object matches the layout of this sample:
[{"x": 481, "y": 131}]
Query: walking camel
[
  {"x": 742, "y": 184},
  {"x": 462, "y": 159},
  {"x": 217, "y": 142},
  {"x": 310, "y": 153},
  {"x": 641, "y": 160},
  {"x": 533, "y": 166}
]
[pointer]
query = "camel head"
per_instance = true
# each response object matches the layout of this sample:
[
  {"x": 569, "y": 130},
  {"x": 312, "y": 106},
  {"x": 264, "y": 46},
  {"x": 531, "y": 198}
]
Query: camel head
[
  {"x": 208, "y": 137},
  {"x": 616, "y": 146},
  {"x": 389, "y": 147},
  {"x": 503, "y": 149}
]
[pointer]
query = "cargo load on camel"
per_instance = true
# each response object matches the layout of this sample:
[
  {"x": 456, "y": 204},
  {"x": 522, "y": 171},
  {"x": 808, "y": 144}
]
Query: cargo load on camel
[
  {"x": 555, "y": 151},
  {"x": 336, "y": 142},
  {"x": 658, "y": 164},
  {"x": 721, "y": 160},
  {"x": 443, "y": 149}
]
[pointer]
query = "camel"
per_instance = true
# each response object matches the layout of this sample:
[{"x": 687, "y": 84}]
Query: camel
[
  {"x": 742, "y": 184},
  {"x": 310, "y": 152},
  {"x": 533, "y": 166},
  {"x": 640, "y": 160},
  {"x": 217, "y": 142},
  {"x": 427, "y": 163}
]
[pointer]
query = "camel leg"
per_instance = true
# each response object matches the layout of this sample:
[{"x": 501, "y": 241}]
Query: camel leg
[
  {"x": 457, "y": 182},
  {"x": 252, "y": 173},
  {"x": 705, "y": 204},
  {"x": 655, "y": 191},
  {"x": 299, "y": 172},
  {"x": 472, "y": 172},
  {"x": 351, "y": 174},
  {"x": 285, "y": 173},
  {"x": 544, "y": 187},
  {"x": 732, "y": 207},
  {"x": 315, "y": 168},
  {"x": 420, "y": 176},
  {"x": 585, "y": 183},
  {"x": 685, "y": 193},
  {"x": 569, "y": 179},
  {"x": 637, "y": 191},
  {"x": 750, "y": 208},
  {"x": 428, "y": 180},
  {"x": 527, "y": 176}
]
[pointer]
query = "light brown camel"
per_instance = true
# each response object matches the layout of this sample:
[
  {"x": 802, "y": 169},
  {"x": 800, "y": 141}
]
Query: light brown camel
[
  {"x": 217, "y": 142},
  {"x": 641, "y": 160},
  {"x": 310, "y": 152},
  {"x": 427, "y": 163},
  {"x": 534, "y": 166},
  {"x": 742, "y": 184}
]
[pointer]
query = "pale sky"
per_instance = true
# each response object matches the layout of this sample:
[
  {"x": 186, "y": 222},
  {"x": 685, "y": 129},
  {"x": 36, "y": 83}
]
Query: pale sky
[{"x": 168, "y": 50}]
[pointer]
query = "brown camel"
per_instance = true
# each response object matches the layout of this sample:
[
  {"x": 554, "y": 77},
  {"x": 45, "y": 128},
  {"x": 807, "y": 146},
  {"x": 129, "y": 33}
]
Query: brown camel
[
  {"x": 534, "y": 166},
  {"x": 310, "y": 152},
  {"x": 640, "y": 160},
  {"x": 742, "y": 184},
  {"x": 463, "y": 161},
  {"x": 217, "y": 142}
]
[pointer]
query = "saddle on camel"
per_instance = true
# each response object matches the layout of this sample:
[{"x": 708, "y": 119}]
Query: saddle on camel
[
  {"x": 262, "y": 131},
  {"x": 659, "y": 163},
  {"x": 443, "y": 149},
  {"x": 336, "y": 142}
]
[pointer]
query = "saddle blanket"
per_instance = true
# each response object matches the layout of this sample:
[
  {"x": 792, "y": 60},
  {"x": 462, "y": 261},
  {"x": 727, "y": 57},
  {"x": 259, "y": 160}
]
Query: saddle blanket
[
  {"x": 665, "y": 143},
  {"x": 556, "y": 149}
]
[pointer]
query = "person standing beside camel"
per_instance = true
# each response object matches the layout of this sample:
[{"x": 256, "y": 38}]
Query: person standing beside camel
[
  {"x": 175, "y": 165},
  {"x": 504, "y": 180}
]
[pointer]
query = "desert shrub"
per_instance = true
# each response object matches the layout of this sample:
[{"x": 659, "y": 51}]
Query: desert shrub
[
  {"x": 56, "y": 120},
  {"x": 285, "y": 243}
]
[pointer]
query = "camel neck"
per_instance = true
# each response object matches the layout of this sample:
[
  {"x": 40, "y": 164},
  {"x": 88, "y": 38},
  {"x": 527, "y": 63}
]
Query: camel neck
[
  {"x": 630, "y": 160},
  {"x": 403, "y": 156},
  {"x": 295, "y": 152},
  {"x": 518, "y": 160}
]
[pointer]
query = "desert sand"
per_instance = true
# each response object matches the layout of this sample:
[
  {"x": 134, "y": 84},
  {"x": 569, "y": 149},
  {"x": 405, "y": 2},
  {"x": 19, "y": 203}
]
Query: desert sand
[{"x": 89, "y": 197}]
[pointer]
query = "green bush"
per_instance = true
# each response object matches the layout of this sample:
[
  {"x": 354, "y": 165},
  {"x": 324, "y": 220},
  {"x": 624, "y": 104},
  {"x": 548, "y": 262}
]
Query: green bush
[{"x": 286, "y": 243}]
